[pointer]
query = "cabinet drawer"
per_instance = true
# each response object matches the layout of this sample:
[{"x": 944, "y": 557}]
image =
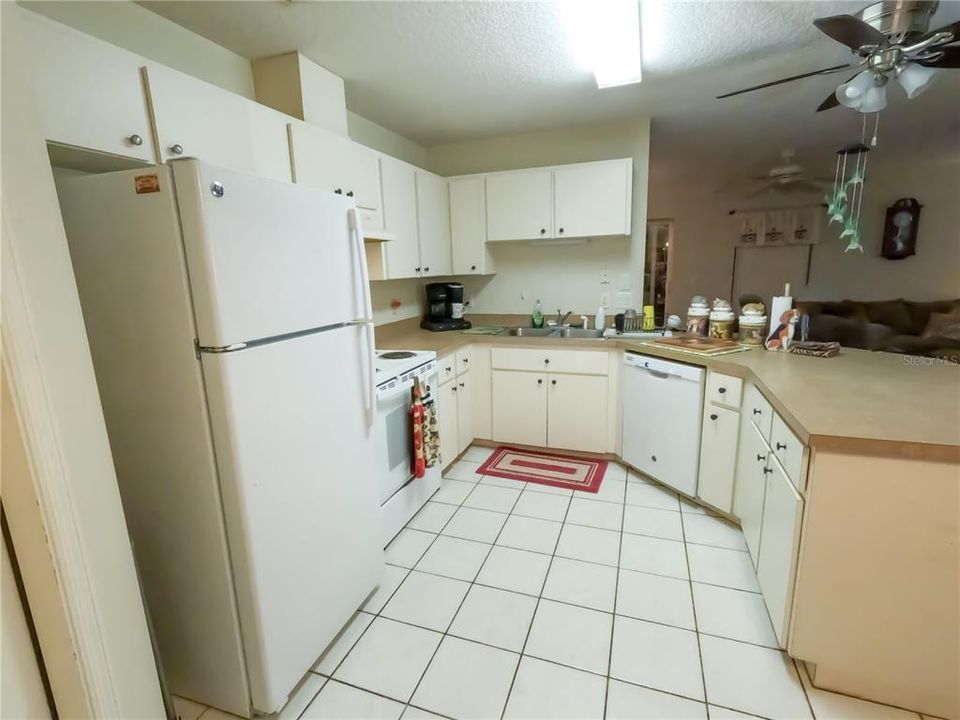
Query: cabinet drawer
[
  {"x": 788, "y": 450},
  {"x": 779, "y": 541},
  {"x": 756, "y": 407},
  {"x": 464, "y": 357},
  {"x": 578, "y": 362},
  {"x": 723, "y": 389},
  {"x": 447, "y": 368},
  {"x": 718, "y": 456}
]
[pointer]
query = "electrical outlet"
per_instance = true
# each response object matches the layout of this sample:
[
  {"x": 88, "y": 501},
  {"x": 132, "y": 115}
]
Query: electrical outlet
[{"x": 604, "y": 299}]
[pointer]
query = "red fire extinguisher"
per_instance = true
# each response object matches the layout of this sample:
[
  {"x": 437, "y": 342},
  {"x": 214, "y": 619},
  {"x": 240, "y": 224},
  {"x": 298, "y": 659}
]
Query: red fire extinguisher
[{"x": 417, "y": 414}]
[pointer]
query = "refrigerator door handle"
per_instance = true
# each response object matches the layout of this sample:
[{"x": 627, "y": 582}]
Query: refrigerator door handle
[
  {"x": 370, "y": 391},
  {"x": 356, "y": 226}
]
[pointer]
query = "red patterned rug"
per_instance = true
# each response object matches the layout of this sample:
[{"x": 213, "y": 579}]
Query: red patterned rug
[{"x": 564, "y": 471}]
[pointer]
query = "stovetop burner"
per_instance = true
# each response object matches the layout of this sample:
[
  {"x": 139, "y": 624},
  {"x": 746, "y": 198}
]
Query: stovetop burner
[{"x": 397, "y": 355}]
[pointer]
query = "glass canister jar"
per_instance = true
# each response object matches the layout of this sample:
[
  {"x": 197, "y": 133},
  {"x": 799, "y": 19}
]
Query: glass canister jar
[
  {"x": 698, "y": 320},
  {"x": 721, "y": 324},
  {"x": 752, "y": 329}
]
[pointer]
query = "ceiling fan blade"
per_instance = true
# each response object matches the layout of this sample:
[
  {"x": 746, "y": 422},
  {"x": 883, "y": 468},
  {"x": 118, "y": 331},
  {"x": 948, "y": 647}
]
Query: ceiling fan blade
[
  {"x": 829, "y": 102},
  {"x": 949, "y": 59},
  {"x": 824, "y": 71},
  {"x": 804, "y": 187},
  {"x": 953, "y": 28},
  {"x": 851, "y": 31}
]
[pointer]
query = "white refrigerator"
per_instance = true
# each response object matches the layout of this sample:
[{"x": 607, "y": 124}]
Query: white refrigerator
[{"x": 229, "y": 324}]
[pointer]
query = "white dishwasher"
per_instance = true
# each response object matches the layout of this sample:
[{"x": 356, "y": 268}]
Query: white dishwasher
[{"x": 662, "y": 413}]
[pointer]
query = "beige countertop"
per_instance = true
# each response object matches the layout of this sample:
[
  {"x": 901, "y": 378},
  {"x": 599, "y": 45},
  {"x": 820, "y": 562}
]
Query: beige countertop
[{"x": 859, "y": 400}]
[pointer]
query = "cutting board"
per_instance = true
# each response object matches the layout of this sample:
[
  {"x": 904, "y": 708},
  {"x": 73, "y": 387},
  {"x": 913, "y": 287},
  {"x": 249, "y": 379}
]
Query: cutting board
[{"x": 700, "y": 345}]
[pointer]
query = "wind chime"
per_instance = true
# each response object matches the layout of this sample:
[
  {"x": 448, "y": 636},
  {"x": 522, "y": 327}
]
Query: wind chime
[{"x": 846, "y": 199}]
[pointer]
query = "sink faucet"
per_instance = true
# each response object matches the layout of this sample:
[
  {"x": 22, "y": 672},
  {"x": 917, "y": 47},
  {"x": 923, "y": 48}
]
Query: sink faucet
[{"x": 561, "y": 318}]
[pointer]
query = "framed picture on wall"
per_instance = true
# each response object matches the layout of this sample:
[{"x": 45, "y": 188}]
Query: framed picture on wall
[{"x": 900, "y": 229}]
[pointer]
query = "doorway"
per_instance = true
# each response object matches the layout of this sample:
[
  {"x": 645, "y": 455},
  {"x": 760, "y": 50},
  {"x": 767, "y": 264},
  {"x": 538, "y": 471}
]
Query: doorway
[{"x": 656, "y": 272}]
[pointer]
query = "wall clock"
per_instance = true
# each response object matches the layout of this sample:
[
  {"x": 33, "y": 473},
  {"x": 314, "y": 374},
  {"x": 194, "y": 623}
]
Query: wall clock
[{"x": 900, "y": 229}]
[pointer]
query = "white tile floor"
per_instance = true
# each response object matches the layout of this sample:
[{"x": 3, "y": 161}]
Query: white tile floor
[{"x": 514, "y": 600}]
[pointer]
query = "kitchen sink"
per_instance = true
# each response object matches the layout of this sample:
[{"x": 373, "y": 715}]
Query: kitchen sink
[
  {"x": 571, "y": 332},
  {"x": 532, "y": 332}
]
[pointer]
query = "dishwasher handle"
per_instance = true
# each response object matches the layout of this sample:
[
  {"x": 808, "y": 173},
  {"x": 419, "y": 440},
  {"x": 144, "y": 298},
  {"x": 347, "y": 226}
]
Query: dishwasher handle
[
  {"x": 660, "y": 374},
  {"x": 662, "y": 369}
]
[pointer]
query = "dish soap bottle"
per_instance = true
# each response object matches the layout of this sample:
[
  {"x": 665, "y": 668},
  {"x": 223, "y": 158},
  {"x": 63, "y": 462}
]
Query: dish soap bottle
[
  {"x": 600, "y": 321},
  {"x": 537, "y": 320}
]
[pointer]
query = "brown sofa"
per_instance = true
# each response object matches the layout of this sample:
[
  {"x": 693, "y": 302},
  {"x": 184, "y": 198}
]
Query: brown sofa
[{"x": 891, "y": 325}]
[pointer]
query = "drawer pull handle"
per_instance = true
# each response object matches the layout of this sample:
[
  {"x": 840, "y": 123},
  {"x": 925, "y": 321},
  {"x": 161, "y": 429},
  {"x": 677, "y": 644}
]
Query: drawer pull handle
[
  {"x": 135, "y": 139},
  {"x": 553, "y": 382},
  {"x": 721, "y": 390},
  {"x": 713, "y": 416},
  {"x": 546, "y": 361},
  {"x": 539, "y": 381},
  {"x": 176, "y": 149},
  {"x": 781, "y": 446},
  {"x": 757, "y": 411}
]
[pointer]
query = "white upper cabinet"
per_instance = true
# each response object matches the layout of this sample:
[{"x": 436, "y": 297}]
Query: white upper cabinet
[
  {"x": 193, "y": 118},
  {"x": 580, "y": 200},
  {"x": 593, "y": 199},
  {"x": 89, "y": 94},
  {"x": 468, "y": 226},
  {"x": 433, "y": 218},
  {"x": 332, "y": 162},
  {"x": 520, "y": 205},
  {"x": 400, "y": 218}
]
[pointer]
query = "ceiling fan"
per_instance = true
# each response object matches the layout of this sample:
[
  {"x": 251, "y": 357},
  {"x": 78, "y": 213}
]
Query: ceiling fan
[
  {"x": 789, "y": 178},
  {"x": 890, "y": 39}
]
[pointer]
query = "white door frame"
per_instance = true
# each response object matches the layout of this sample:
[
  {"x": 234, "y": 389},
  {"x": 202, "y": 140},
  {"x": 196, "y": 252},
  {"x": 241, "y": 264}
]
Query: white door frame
[{"x": 54, "y": 393}]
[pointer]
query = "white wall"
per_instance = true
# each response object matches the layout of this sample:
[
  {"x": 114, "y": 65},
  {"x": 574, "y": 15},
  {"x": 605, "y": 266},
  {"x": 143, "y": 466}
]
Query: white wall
[
  {"x": 702, "y": 249},
  {"x": 386, "y": 141}
]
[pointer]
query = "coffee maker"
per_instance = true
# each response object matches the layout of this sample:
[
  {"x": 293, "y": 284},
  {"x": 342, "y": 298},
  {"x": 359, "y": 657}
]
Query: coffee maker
[{"x": 444, "y": 307}]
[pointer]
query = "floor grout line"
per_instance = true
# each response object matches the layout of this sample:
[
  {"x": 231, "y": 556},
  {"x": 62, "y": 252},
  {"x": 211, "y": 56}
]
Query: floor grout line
[
  {"x": 533, "y": 618},
  {"x": 616, "y": 594},
  {"x": 696, "y": 624}
]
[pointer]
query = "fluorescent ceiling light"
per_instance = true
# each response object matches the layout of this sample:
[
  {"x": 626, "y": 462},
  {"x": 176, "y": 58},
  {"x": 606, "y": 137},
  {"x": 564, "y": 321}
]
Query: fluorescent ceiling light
[{"x": 605, "y": 35}]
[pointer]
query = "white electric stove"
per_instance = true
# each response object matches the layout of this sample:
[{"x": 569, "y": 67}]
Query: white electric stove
[{"x": 401, "y": 495}]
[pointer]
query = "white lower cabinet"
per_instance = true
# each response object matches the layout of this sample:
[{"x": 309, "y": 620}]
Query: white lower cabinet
[
  {"x": 577, "y": 412},
  {"x": 718, "y": 456},
  {"x": 481, "y": 393},
  {"x": 519, "y": 407},
  {"x": 447, "y": 422},
  {"x": 464, "y": 412},
  {"x": 751, "y": 475},
  {"x": 779, "y": 541}
]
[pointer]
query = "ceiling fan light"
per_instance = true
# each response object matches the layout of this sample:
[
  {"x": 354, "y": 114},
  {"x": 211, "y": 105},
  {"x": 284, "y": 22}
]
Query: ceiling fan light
[
  {"x": 874, "y": 100},
  {"x": 852, "y": 93},
  {"x": 915, "y": 78}
]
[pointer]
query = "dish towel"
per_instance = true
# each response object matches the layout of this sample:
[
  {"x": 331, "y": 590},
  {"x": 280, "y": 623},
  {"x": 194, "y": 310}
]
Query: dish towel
[
  {"x": 431, "y": 433},
  {"x": 417, "y": 416}
]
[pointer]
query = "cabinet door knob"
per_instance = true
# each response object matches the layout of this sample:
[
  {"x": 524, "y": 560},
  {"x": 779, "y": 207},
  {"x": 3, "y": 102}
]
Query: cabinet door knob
[
  {"x": 338, "y": 191},
  {"x": 767, "y": 470},
  {"x": 135, "y": 139},
  {"x": 473, "y": 267},
  {"x": 553, "y": 382},
  {"x": 349, "y": 193},
  {"x": 757, "y": 411},
  {"x": 721, "y": 390},
  {"x": 543, "y": 231},
  {"x": 449, "y": 368},
  {"x": 713, "y": 416},
  {"x": 653, "y": 457},
  {"x": 454, "y": 388},
  {"x": 546, "y": 361},
  {"x": 761, "y": 458},
  {"x": 176, "y": 149},
  {"x": 561, "y": 231},
  {"x": 781, "y": 446},
  {"x": 466, "y": 360},
  {"x": 461, "y": 384},
  {"x": 426, "y": 269},
  {"x": 416, "y": 269},
  {"x": 539, "y": 381}
]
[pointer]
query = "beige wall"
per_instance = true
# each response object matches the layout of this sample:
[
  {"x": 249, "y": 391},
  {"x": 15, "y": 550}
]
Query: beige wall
[{"x": 702, "y": 251}]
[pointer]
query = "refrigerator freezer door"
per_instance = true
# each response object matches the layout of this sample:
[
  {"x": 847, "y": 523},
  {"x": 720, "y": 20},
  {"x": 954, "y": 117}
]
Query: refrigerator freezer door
[
  {"x": 297, "y": 479},
  {"x": 265, "y": 257}
]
